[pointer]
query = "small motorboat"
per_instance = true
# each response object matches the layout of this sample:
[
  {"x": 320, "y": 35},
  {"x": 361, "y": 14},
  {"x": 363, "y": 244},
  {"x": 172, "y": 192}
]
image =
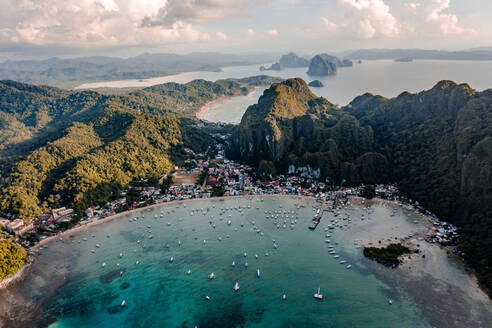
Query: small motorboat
[
  {"x": 211, "y": 276},
  {"x": 246, "y": 264},
  {"x": 349, "y": 266},
  {"x": 390, "y": 302},
  {"x": 245, "y": 254},
  {"x": 171, "y": 259},
  {"x": 207, "y": 298},
  {"x": 258, "y": 273},
  {"x": 123, "y": 303},
  {"x": 284, "y": 297},
  {"x": 318, "y": 295},
  {"x": 236, "y": 286},
  {"x": 256, "y": 256},
  {"x": 233, "y": 264},
  {"x": 188, "y": 272}
]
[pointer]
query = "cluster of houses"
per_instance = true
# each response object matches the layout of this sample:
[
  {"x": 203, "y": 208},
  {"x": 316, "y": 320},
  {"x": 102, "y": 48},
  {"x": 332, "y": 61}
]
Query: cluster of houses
[{"x": 219, "y": 177}]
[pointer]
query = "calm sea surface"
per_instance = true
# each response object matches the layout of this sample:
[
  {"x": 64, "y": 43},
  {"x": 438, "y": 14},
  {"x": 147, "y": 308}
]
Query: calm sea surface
[
  {"x": 87, "y": 279},
  {"x": 384, "y": 77}
]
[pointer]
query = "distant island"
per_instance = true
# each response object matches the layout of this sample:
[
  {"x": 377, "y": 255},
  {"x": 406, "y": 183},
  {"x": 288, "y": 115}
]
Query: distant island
[
  {"x": 292, "y": 60},
  {"x": 273, "y": 67},
  {"x": 316, "y": 84},
  {"x": 404, "y": 60},
  {"x": 68, "y": 72},
  {"x": 326, "y": 65},
  {"x": 374, "y": 54}
]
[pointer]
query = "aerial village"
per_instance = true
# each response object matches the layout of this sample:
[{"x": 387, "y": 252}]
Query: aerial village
[{"x": 204, "y": 177}]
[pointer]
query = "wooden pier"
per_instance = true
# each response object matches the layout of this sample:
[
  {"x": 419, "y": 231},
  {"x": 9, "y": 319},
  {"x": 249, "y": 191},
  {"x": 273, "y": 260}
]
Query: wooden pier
[{"x": 326, "y": 206}]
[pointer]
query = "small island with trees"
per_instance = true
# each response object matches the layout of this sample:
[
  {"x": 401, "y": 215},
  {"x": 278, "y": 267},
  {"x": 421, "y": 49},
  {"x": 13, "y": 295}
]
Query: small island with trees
[{"x": 388, "y": 255}]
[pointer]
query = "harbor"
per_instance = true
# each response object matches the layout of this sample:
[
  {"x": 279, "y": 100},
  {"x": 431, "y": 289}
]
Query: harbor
[{"x": 231, "y": 259}]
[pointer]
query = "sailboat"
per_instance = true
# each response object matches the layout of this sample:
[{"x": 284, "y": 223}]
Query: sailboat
[
  {"x": 258, "y": 273},
  {"x": 236, "y": 286},
  {"x": 318, "y": 295}
]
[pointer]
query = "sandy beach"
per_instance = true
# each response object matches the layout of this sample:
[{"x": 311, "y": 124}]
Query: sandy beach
[{"x": 205, "y": 108}]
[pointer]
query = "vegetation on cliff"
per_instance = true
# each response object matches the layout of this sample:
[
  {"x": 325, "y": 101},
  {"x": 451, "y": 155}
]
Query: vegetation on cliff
[{"x": 437, "y": 145}]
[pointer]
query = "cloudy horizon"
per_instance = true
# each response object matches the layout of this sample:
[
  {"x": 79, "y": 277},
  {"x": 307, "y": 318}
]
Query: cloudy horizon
[{"x": 128, "y": 27}]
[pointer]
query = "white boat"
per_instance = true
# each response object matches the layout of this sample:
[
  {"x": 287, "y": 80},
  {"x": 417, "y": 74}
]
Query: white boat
[
  {"x": 188, "y": 272},
  {"x": 236, "y": 286},
  {"x": 349, "y": 266},
  {"x": 284, "y": 297},
  {"x": 390, "y": 302},
  {"x": 123, "y": 303},
  {"x": 229, "y": 222},
  {"x": 256, "y": 256},
  {"x": 245, "y": 254},
  {"x": 103, "y": 265},
  {"x": 211, "y": 276},
  {"x": 258, "y": 273},
  {"x": 233, "y": 264},
  {"x": 171, "y": 259},
  {"x": 121, "y": 254},
  {"x": 207, "y": 298},
  {"x": 246, "y": 264},
  {"x": 318, "y": 295}
]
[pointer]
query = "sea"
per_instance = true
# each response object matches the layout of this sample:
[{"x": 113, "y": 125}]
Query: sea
[
  {"x": 158, "y": 262},
  {"x": 382, "y": 77}
]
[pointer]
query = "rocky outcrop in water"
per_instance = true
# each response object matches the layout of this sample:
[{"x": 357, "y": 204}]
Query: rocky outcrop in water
[{"x": 316, "y": 84}]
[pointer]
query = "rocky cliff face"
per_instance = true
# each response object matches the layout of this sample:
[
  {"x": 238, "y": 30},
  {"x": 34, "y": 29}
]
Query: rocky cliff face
[
  {"x": 290, "y": 129},
  {"x": 324, "y": 65},
  {"x": 320, "y": 66}
]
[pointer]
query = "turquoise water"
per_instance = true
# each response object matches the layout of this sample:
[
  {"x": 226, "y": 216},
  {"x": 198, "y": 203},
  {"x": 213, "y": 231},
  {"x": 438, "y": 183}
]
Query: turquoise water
[{"x": 160, "y": 293}]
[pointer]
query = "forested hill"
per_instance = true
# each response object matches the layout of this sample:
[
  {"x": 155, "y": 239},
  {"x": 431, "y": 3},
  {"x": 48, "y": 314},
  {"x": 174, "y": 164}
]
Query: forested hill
[
  {"x": 30, "y": 115},
  {"x": 437, "y": 145},
  {"x": 84, "y": 145}
]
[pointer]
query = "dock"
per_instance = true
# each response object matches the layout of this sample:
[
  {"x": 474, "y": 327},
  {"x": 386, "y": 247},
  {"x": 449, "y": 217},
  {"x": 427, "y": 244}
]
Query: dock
[{"x": 327, "y": 206}]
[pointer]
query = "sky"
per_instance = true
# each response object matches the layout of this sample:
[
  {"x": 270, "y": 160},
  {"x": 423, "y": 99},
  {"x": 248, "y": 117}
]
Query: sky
[{"x": 128, "y": 27}]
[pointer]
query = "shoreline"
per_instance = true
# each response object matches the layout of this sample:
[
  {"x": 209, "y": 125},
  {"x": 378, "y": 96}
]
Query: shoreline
[{"x": 206, "y": 107}]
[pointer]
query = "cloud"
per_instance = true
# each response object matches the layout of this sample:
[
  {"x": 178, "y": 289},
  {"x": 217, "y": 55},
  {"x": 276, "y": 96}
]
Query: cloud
[
  {"x": 251, "y": 32},
  {"x": 89, "y": 22},
  {"x": 447, "y": 24},
  {"x": 370, "y": 18},
  {"x": 198, "y": 11},
  {"x": 222, "y": 36},
  {"x": 272, "y": 32},
  {"x": 330, "y": 26}
]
